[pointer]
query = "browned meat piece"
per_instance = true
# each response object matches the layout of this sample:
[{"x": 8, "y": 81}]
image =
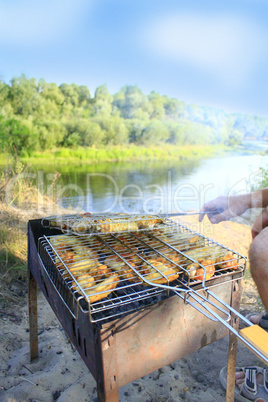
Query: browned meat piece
[
  {"x": 154, "y": 276},
  {"x": 197, "y": 273},
  {"x": 227, "y": 261},
  {"x": 122, "y": 269},
  {"x": 107, "y": 286}
]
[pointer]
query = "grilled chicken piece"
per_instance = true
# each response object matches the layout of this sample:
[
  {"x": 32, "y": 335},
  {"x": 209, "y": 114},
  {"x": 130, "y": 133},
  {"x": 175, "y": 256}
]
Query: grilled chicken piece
[
  {"x": 128, "y": 242},
  {"x": 149, "y": 223},
  {"x": 171, "y": 254},
  {"x": 122, "y": 269},
  {"x": 205, "y": 256},
  {"x": 193, "y": 240},
  {"x": 82, "y": 225},
  {"x": 197, "y": 273},
  {"x": 95, "y": 290},
  {"x": 227, "y": 261},
  {"x": 108, "y": 226},
  {"x": 105, "y": 286},
  {"x": 214, "y": 257},
  {"x": 71, "y": 248},
  {"x": 100, "y": 271},
  {"x": 67, "y": 256},
  {"x": 203, "y": 253},
  {"x": 87, "y": 224},
  {"x": 154, "y": 276},
  {"x": 188, "y": 243},
  {"x": 85, "y": 281}
]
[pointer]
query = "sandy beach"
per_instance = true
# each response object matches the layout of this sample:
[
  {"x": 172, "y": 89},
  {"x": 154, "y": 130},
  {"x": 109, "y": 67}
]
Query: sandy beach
[{"x": 60, "y": 374}]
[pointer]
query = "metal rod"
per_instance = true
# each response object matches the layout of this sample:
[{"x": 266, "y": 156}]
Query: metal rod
[
  {"x": 232, "y": 351},
  {"x": 234, "y": 331},
  {"x": 134, "y": 269},
  {"x": 32, "y": 300}
]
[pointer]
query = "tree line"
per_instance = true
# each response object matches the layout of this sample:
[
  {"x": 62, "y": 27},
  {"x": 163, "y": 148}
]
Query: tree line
[{"x": 36, "y": 115}]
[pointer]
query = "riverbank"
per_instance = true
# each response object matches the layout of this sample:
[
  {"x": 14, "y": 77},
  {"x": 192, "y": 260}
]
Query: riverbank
[{"x": 89, "y": 156}]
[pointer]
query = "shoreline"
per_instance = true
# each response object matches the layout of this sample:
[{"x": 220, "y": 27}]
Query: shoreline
[{"x": 89, "y": 156}]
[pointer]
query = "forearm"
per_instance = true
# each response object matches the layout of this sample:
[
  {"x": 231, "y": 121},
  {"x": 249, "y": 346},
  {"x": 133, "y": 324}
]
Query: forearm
[
  {"x": 235, "y": 205},
  {"x": 256, "y": 199}
]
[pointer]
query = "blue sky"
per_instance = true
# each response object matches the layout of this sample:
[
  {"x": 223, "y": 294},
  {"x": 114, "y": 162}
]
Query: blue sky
[{"x": 211, "y": 53}]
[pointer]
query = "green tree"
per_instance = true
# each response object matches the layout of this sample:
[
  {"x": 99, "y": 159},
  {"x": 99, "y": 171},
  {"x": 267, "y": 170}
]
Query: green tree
[
  {"x": 174, "y": 109},
  {"x": 15, "y": 138},
  {"x": 157, "y": 103},
  {"x": 131, "y": 101},
  {"x": 94, "y": 135},
  {"x": 51, "y": 133},
  {"x": 176, "y": 133},
  {"x": 24, "y": 96},
  {"x": 155, "y": 133},
  {"x": 115, "y": 130},
  {"x": 75, "y": 95},
  {"x": 235, "y": 138},
  {"x": 51, "y": 92},
  {"x": 102, "y": 103}
]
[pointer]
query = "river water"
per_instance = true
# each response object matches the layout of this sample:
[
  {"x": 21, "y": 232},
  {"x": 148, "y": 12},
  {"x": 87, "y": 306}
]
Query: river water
[{"x": 162, "y": 186}]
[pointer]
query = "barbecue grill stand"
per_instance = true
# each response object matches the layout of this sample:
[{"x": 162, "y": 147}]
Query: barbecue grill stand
[{"x": 131, "y": 347}]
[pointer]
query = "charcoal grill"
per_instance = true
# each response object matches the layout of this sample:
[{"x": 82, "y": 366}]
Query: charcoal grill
[{"x": 140, "y": 325}]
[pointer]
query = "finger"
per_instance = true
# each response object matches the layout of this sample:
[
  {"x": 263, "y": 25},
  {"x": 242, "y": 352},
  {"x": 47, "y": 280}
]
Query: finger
[
  {"x": 223, "y": 216},
  {"x": 204, "y": 210},
  {"x": 202, "y": 214}
]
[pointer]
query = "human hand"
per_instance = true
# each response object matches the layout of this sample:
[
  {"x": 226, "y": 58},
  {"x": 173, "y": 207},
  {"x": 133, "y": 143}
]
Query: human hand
[
  {"x": 226, "y": 207},
  {"x": 260, "y": 223}
]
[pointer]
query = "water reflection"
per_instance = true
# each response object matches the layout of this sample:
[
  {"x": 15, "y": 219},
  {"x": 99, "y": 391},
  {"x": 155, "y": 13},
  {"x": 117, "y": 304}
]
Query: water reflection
[
  {"x": 121, "y": 186},
  {"x": 155, "y": 186}
]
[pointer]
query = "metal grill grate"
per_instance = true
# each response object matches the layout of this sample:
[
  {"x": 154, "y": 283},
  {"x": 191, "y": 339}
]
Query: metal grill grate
[
  {"x": 95, "y": 223},
  {"x": 106, "y": 274}
]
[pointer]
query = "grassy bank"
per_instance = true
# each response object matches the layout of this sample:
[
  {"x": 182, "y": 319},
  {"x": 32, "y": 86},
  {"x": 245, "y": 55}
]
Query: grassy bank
[
  {"x": 24, "y": 202},
  {"x": 78, "y": 156}
]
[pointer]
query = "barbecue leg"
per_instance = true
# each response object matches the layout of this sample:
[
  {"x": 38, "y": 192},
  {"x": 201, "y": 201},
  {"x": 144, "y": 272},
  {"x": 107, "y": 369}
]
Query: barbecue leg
[{"x": 32, "y": 300}]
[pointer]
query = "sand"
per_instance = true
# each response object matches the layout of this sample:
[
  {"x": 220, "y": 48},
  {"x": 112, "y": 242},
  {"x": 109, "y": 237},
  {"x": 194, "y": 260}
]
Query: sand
[{"x": 60, "y": 374}]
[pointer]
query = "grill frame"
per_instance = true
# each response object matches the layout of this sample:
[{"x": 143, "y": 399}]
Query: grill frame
[{"x": 160, "y": 327}]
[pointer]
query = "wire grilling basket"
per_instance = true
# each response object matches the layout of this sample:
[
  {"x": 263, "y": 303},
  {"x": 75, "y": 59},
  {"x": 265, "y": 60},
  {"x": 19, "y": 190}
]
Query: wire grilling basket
[
  {"x": 110, "y": 265},
  {"x": 116, "y": 269},
  {"x": 87, "y": 223}
]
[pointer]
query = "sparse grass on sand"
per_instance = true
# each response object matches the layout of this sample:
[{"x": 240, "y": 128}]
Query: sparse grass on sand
[{"x": 19, "y": 202}]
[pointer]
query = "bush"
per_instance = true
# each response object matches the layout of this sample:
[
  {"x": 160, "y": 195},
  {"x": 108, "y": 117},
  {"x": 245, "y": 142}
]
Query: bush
[{"x": 16, "y": 138}]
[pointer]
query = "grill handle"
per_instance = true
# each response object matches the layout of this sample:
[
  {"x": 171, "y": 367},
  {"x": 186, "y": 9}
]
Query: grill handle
[{"x": 202, "y": 300}]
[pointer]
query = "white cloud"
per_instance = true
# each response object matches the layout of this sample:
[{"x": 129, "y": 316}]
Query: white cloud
[
  {"x": 29, "y": 22},
  {"x": 226, "y": 47}
]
